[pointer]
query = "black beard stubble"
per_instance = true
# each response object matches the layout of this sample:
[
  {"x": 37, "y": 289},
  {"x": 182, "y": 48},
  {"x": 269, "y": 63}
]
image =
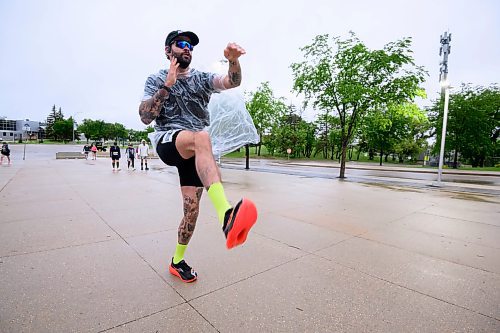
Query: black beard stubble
[{"x": 182, "y": 62}]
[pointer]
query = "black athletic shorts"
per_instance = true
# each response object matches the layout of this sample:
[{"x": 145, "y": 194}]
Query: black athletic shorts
[{"x": 169, "y": 154}]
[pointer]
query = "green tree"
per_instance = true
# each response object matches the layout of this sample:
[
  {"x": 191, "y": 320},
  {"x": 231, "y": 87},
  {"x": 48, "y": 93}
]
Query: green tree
[
  {"x": 143, "y": 135},
  {"x": 396, "y": 127},
  {"x": 86, "y": 128},
  {"x": 327, "y": 132},
  {"x": 53, "y": 116},
  {"x": 63, "y": 129},
  {"x": 351, "y": 79},
  {"x": 291, "y": 132},
  {"x": 265, "y": 110},
  {"x": 94, "y": 129},
  {"x": 274, "y": 135},
  {"x": 473, "y": 124},
  {"x": 117, "y": 132}
]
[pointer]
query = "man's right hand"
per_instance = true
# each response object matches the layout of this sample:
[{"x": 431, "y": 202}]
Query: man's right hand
[{"x": 172, "y": 73}]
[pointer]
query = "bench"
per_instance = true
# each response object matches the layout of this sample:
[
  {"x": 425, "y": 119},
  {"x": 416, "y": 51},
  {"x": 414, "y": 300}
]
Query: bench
[{"x": 69, "y": 155}]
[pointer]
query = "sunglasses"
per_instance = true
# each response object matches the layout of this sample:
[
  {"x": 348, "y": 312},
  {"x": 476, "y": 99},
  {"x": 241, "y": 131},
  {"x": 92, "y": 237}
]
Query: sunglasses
[{"x": 182, "y": 44}]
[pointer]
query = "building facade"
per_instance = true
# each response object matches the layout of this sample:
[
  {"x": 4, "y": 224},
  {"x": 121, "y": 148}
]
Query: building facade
[{"x": 14, "y": 130}]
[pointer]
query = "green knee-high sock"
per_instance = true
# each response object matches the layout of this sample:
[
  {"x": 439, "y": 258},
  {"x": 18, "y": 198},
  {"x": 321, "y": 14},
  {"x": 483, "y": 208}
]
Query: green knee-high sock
[
  {"x": 218, "y": 198},
  {"x": 179, "y": 253}
]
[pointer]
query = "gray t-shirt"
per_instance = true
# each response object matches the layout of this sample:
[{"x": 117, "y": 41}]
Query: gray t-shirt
[{"x": 186, "y": 107}]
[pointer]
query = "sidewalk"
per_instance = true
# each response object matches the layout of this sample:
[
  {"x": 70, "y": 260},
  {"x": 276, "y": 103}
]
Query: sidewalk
[{"x": 83, "y": 249}]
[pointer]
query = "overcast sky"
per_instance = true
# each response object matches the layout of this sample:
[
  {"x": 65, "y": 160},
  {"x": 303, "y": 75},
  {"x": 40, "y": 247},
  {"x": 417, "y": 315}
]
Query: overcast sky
[{"x": 92, "y": 57}]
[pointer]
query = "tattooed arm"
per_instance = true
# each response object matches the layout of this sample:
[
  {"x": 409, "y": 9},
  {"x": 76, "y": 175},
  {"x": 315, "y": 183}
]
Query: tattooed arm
[
  {"x": 150, "y": 109},
  {"x": 232, "y": 53}
]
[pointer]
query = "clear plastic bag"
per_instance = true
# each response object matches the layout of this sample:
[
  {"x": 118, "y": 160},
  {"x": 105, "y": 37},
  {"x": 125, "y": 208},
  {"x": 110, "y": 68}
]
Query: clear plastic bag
[{"x": 231, "y": 126}]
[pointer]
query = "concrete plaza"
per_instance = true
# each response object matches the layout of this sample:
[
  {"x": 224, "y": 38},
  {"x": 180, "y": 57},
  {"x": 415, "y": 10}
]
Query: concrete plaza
[{"x": 85, "y": 249}]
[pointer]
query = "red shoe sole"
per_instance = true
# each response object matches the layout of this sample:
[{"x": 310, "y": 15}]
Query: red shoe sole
[
  {"x": 245, "y": 218},
  {"x": 174, "y": 272}
]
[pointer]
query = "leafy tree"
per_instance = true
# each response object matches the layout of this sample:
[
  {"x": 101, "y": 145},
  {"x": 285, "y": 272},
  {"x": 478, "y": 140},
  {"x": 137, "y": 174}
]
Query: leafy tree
[
  {"x": 473, "y": 124},
  {"x": 328, "y": 134},
  {"x": 63, "y": 129},
  {"x": 396, "y": 126},
  {"x": 272, "y": 137},
  {"x": 292, "y": 133},
  {"x": 351, "y": 79},
  {"x": 117, "y": 131},
  {"x": 94, "y": 129},
  {"x": 143, "y": 135},
  {"x": 265, "y": 110},
  {"x": 85, "y": 128}
]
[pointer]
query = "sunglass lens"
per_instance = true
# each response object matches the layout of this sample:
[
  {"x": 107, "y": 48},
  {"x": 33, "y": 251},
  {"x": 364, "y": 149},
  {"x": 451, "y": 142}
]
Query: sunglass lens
[{"x": 182, "y": 44}]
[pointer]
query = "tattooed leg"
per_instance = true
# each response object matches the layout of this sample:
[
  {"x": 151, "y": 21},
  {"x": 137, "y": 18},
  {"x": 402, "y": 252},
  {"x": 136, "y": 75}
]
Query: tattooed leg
[{"x": 191, "y": 197}]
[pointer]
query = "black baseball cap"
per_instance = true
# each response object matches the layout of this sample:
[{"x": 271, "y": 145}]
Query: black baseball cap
[{"x": 176, "y": 33}]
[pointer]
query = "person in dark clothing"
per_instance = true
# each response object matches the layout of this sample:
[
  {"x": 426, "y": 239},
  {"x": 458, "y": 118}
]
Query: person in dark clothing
[
  {"x": 130, "y": 153},
  {"x": 5, "y": 152},
  {"x": 115, "y": 154},
  {"x": 86, "y": 151}
]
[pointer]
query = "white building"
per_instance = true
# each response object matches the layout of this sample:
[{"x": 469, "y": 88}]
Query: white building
[{"x": 13, "y": 130}]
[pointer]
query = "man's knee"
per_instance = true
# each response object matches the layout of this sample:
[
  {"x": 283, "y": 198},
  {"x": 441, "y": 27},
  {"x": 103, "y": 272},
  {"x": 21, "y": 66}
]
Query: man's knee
[{"x": 202, "y": 138}]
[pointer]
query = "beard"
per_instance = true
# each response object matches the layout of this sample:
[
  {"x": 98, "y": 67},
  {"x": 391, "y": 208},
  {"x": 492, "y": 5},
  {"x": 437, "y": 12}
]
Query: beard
[{"x": 183, "y": 62}]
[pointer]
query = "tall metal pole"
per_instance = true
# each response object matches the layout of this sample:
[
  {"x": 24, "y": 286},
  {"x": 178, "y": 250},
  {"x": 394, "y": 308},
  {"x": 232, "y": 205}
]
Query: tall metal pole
[
  {"x": 443, "y": 132},
  {"x": 443, "y": 78}
]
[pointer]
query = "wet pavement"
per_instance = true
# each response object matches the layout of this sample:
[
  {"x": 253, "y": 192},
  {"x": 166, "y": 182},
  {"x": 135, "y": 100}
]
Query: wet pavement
[{"x": 85, "y": 249}]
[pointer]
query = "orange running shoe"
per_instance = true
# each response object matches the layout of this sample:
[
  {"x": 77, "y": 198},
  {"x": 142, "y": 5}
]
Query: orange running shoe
[{"x": 238, "y": 222}]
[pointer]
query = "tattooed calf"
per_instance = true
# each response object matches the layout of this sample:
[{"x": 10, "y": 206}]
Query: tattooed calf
[{"x": 188, "y": 223}]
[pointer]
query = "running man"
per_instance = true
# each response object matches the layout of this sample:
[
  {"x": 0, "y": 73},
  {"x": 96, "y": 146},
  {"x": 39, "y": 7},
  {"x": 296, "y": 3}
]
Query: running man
[
  {"x": 176, "y": 99},
  {"x": 143, "y": 153}
]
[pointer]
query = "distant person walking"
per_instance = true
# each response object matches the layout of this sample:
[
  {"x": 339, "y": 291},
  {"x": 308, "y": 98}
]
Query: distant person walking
[
  {"x": 115, "y": 154},
  {"x": 93, "y": 149},
  {"x": 143, "y": 152},
  {"x": 130, "y": 153},
  {"x": 86, "y": 151},
  {"x": 5, "y": 152}
]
